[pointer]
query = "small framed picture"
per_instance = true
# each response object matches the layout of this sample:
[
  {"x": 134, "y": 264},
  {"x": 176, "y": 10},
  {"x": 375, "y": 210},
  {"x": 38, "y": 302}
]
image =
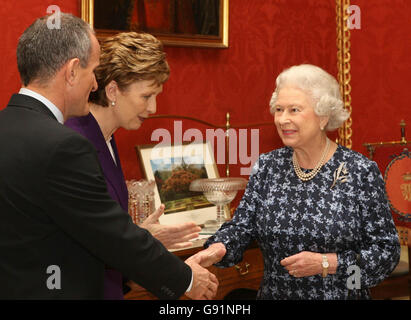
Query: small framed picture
[{"x": 173, "y": 168}]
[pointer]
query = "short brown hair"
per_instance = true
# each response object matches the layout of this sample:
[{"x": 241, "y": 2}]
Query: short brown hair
[{"x": 126, "y": 58}]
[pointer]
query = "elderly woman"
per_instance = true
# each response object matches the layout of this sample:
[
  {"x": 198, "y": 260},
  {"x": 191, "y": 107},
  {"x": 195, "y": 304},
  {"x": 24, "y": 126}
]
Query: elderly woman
[
  {"x": 131, "y": 74},
  {"x": 317, "y": 209}
]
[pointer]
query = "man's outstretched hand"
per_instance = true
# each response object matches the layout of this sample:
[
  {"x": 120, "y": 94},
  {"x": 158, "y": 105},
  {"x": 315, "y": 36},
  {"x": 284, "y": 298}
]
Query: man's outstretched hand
[{"x": 205, "y": 284}]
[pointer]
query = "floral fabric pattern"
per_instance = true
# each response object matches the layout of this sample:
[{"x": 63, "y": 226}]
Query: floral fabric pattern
[{"x": 286, "y": 216}]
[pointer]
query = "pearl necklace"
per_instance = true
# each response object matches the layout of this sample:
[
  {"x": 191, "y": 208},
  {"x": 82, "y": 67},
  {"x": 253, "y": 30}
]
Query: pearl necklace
[{"x": 308, "y": 176}]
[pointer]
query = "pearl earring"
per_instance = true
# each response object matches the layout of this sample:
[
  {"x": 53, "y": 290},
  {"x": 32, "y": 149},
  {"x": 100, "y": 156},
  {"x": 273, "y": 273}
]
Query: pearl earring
[{"x": 113, "y": 103}]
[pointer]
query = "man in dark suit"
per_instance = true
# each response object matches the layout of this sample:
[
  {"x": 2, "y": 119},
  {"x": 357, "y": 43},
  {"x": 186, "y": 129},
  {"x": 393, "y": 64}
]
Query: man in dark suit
[{"x": 58, "y": 225}]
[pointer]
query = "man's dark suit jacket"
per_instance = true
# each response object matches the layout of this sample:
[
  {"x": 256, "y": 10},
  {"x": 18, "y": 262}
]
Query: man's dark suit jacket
[{"x": 55, "y": 211}]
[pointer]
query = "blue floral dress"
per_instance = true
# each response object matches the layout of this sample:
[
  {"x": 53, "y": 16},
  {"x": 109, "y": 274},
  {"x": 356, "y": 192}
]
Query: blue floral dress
[{"x": 285, "y": 215}]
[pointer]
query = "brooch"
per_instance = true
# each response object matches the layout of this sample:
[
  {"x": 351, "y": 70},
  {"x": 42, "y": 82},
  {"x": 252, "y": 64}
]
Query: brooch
[{"x": 340, "y": 175}]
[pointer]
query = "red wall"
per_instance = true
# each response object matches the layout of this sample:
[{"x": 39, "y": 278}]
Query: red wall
[
  {"x": 381, "y": 74},
  {"x": 265, "y": 37},
  {"x": 15, "y": 17}
]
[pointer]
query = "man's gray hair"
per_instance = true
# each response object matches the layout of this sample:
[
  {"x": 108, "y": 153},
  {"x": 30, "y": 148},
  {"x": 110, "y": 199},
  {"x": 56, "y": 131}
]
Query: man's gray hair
[
  {"x": 42, "y": 50},
  {"x": 322, "y": 87}
]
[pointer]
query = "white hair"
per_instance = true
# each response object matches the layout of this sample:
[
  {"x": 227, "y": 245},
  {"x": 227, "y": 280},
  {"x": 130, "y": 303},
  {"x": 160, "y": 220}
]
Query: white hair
[{"x": 320, "y": 86}]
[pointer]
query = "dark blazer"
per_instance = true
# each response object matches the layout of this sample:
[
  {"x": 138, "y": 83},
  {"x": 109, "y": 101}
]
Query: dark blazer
[
  {"x": 116, "y": 185},
  {"x": 55, "y": 211}
]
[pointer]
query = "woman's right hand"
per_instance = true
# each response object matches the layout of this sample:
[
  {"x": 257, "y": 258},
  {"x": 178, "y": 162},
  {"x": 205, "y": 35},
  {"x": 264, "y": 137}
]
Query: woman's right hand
[
  {"x": 213, "y": 254},
  {"x": 175, "y": 236}
]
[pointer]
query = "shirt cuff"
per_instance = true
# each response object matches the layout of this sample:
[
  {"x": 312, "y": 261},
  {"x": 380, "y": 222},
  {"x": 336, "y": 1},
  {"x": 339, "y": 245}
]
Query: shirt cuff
[{"x": 191, "y": 283}]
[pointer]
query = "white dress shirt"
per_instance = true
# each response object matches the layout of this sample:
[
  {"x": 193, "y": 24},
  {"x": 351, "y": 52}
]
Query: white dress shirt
[
  {"x": 51, "y": 106},
  {"x": 111, "y": 149}
]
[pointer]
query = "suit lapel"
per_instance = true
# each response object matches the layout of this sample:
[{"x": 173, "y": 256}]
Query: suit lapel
[{"x": 121, "y": 185}]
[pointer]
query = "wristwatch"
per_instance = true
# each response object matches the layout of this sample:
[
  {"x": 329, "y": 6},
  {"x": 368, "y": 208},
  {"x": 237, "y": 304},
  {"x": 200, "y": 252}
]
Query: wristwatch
[{"x": 325, "y": 265}]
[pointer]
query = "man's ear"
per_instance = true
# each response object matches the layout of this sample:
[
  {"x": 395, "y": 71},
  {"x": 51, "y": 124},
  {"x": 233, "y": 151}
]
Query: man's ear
[
  {"x": 72, "y": 68},
  {"x": 111, "y": 90}
]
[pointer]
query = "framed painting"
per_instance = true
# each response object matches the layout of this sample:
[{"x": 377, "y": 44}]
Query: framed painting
[
  {"x": 200, "y": 23},
  {"x": 173, "y": 168}
]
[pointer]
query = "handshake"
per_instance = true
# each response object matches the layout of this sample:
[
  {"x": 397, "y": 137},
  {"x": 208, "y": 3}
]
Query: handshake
[
  {"x": 205, "y": 284},
  {"x": 178, "y": 236}
]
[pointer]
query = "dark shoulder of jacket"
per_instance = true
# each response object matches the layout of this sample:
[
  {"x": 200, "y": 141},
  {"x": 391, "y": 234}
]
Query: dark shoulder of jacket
[
  {"x": 77, "y": 124},
  {"x": 55, "y": 138}
]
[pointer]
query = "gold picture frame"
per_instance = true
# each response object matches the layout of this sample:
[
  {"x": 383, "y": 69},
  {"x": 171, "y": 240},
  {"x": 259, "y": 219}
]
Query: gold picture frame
[
  {"x": 171, "y": 38},
  {"x": 344, "y": 69},
  {"x": 173, "y": 167}
]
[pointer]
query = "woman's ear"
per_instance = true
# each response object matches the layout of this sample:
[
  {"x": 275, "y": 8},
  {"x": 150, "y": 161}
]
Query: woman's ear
[
  {"x": 323, "y": 122},
  {"x": 111, "y": 91}
]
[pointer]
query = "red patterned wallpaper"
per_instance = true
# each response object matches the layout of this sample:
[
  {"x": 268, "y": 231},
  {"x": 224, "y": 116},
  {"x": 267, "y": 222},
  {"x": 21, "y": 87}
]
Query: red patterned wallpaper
[
  {"x": 381, "y": 74},
  {"x": 15, "y": 17},
  {"x": 265, "y": 37}
]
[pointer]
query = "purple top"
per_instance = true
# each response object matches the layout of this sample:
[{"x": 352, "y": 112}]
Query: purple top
[{"x": 116, "y": 186}]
